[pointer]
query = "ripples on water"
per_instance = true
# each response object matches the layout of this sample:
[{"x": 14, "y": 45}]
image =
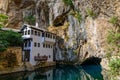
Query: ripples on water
[{"x": 91, "y": 72}]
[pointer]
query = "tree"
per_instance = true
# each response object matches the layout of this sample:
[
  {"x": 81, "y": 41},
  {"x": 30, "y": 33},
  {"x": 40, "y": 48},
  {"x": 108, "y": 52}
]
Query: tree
[
  {"x": 14, "y": 38},
  {"x": 9, "y": 38}
]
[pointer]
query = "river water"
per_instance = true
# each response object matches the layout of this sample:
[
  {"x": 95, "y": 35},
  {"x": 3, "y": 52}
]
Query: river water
[{"x": 86, "y": 72}]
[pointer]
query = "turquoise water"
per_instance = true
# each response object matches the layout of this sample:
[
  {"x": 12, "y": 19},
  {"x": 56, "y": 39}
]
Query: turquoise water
[{"x": 91, "y": 72}]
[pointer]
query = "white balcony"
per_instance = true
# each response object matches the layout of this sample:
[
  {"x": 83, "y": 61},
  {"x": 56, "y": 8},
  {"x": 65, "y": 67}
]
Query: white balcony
[
  {"x": 45, "y": 39},
  {"x": 26, "y": 36},
  {"x": 26, "y": 48}
]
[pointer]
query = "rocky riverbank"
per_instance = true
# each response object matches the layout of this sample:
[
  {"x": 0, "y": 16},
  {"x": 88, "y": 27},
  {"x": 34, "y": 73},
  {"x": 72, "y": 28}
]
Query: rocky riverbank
[{"x": 25, "y": 67}]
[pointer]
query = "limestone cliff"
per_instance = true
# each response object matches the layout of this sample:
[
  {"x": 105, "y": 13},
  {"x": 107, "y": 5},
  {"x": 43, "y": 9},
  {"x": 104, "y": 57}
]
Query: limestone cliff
[{"x": 87, "y": 21}]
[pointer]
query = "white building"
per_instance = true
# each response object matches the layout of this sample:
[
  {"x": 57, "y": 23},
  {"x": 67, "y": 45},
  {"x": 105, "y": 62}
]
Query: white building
[{"x": 38, "y": 44}]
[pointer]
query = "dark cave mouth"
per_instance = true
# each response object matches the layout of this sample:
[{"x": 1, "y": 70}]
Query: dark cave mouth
[{"x": 92, "y": 61}]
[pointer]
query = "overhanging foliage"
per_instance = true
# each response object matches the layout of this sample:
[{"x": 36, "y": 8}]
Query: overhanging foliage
[{"x": 9, "y": 38}]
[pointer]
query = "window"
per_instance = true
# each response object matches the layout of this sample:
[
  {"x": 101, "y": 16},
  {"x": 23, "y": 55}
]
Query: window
[
  {"x": 43, "y": 34},
  {"x": 49, "y": 56},
  {"x": 49, "y": 45},
  {"x": 46, "y": 35},
  {"x": 43, "y": 45},
  {"x": 38, "y": 44},
  {"x": 51, "y": 36},
  {"x": 31, "y": 31},
  {"x": 46, "y": 46},
  {"x": 38, "y": 33},
  {"x": 38, "y": 54},
  {"x": 49, "y": 75},
  {"x": 27, "y": 56},
  {"x": 35, "y": 32},
  {"x": 25, "y": 32},
  {"x": 28, "y": 32},
  {"x": 29, "y": 44},
  {"x": 35, "y": 44},
  {"x": 25, "y": 44}
]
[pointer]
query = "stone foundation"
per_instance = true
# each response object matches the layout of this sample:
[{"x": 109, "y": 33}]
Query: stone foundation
[{"x": 28, "y": 67}]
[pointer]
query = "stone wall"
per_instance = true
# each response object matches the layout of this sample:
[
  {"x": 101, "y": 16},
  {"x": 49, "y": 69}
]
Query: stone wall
[{"x": 5, "y": 56}]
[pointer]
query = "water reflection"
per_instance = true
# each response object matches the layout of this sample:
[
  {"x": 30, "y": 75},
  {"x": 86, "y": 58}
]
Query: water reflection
[{"x": 59, "y": 73}]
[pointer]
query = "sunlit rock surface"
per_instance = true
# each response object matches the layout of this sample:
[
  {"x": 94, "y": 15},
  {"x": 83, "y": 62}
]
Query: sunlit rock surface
[{"x": 81, "y": 39}]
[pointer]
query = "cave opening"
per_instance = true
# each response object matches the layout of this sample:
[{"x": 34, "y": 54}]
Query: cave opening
[{"x": 92, "y": 61}]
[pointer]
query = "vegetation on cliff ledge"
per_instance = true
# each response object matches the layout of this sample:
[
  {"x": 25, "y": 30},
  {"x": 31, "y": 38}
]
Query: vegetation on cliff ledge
[
  {"x": 3, "y": 20},
  {"x": 114, "y": 20},
  {"x": 114, "y": 38},
  {"x": 76, "y": 14},
  {"x": 114, "y": 49},
  {"x": 30, "y": 19},
  {"x": 115, "y": 66},
  {"x": 68, "y": 2},
  {"x": 90, "y": 13}
]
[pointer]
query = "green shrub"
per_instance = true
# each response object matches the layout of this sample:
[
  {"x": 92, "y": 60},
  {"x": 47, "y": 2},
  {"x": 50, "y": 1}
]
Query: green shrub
[
  {"x": 68, "y": 2},
  {"x": 114, "y": 64},
  {"x": 3, "y": 20},
  {"x": 66, "y": 37},
  {"x": 9, "y": 38},
  {"x": 75, "y": 52},
  {"x": 77, "y": 15},
  {"x": 114, "y": 20},
  {"x": 3, "y": 45},
  {"x": 30, "y": 19},
  {"x": 90, "y": 13},
  {"x": 108, "y": 54},
  {"x": 14, "y": 38},
  {"x": 114, "y": 38},
  {"x": 1, "y": 25},
  {"x": 3, "y": 17}
]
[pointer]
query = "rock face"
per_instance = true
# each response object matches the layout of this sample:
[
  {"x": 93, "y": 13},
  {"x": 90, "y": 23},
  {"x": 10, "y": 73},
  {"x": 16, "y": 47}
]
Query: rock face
[
  {"x": 15, "y": 14},
  {"x": 11, "y": 54},
  {"x": 96, "y": 33},
  {"x": 86, "y": 37}
]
